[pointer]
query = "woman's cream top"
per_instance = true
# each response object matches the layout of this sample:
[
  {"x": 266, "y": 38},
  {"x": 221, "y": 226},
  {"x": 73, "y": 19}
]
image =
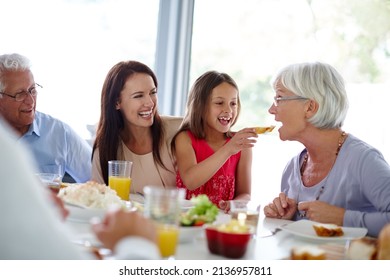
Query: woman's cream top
[{"x": 145, "y": 170}]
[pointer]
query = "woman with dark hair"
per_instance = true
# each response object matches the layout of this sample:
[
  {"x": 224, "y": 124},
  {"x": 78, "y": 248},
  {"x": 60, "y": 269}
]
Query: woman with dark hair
[{"x": 130, "y": 128}]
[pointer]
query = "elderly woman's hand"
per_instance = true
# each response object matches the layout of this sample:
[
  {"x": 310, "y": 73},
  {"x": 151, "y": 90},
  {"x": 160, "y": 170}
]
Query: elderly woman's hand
[
  {"x": 322, "y": 212},
  {"x": 119, "y": 224},
  {"x": 282, "y": 207}
]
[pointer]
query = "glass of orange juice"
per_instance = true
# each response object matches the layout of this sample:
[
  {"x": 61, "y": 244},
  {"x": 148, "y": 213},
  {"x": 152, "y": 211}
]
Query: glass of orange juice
[
  {"x": 119, "y": 177},
  {"x": 163, "y": 206},
  {"x": 167, "y": 238}
]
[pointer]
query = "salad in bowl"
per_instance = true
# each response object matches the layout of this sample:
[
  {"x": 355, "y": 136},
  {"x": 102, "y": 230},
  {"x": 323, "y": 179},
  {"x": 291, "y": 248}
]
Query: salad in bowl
[{"x": 192, "y": 221}]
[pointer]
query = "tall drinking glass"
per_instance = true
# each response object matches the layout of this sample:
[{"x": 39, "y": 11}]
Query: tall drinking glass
[
  {"x": 246, "y": 212},
  {"x": 163, "y": 206},
  {"x": 51, "y": 180},
  {"x": 119, "y": 177}
]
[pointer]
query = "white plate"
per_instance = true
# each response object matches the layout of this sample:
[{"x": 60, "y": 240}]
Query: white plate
[
  {"x": 77, "y": 214},
  {"x": 186, "y": 205},
  {"x": 137, "y": 198},
  {"x": 304, "y": 228},
  {"x": 84, "y": 215},
  {"x": 187, "y": 234}
]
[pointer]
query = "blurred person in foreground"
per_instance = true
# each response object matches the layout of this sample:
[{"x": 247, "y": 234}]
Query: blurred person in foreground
[
  {"x": 55, "y": 146},
  {"x": 337, "y": 178},
  {"x": 130, "y": 128},
  {"x": 30, "y": 229}
]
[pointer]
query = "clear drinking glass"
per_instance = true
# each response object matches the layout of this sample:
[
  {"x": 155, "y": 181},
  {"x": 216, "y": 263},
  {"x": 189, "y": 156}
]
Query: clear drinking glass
[
  {"x": 51, "y": 180},
  {"x": 246, "y": 212},
  {"x": 119, "y": 177},
  {"x": 163, "y": 206}
]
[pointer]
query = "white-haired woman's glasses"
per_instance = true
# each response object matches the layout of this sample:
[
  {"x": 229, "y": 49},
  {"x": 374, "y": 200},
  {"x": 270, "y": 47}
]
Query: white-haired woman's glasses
[{"x": 277, "y": 100}]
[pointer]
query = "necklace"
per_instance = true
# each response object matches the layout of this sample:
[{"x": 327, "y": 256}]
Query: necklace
[
  {"x": 303, "y": 166},
  {"x": 340, "y": 144}
]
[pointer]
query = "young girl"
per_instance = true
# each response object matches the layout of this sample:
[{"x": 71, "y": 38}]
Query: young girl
[{"x": 210, "y": 158}]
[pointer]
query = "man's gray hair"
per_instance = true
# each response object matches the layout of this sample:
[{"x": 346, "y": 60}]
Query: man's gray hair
[{"x": 12, "y": 62}]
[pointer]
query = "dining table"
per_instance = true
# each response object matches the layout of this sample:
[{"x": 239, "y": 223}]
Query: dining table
[{"x": 270, "y": 242}]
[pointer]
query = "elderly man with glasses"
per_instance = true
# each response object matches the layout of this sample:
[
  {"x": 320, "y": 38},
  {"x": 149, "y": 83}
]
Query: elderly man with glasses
[{"x": 57, "y": 148}]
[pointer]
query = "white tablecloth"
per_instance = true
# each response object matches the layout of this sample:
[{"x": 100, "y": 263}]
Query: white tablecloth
[{"x": 263, "y": 246}]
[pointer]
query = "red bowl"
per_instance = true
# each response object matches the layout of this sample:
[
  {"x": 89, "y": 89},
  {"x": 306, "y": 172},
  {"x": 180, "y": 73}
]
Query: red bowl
[
  {"x": 212, "y": 240},
  {"x": 230, "y": 245}
]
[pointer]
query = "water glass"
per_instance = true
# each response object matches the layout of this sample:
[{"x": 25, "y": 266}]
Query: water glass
[
  {"x": 51, "y": 180},
  {"x": 163, "y": 206},
  {"x": 246, "y": 212}
]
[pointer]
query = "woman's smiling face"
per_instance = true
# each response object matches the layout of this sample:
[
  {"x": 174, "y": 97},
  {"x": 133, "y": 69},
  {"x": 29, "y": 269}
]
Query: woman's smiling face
[{"x": 138, "y": 100}]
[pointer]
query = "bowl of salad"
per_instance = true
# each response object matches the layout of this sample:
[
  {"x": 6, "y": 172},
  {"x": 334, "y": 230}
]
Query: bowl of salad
[{"x": 192, "y": 222}]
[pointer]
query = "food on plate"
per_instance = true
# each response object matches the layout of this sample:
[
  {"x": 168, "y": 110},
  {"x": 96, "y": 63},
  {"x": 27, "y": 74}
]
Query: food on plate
[
  {"x": 65, "y": 184},
  {"x": 384, "y": 243},
  {"x": 204, "y": 211},
  {"x": 91, "y": 195},
  {"x": 307, "y": 252},
  {"x": 362, "y": 249},
  {"x": 264, "y": 129},
  {"x": 328, "y": 230}
]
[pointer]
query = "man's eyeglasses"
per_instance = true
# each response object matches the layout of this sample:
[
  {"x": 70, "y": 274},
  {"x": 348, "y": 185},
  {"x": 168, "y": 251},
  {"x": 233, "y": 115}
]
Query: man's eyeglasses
[
  {"x": 286, "y": 98},
  {"x": 22, "y": 95}
]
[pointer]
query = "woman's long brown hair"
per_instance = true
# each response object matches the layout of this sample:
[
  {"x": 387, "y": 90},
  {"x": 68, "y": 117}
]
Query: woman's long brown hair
[{"x": 111, "y": 121}]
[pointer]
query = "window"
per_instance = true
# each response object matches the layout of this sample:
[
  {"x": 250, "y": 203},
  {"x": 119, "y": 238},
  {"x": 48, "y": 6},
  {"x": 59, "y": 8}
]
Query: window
[
  {"x": 72, "y": 44},
  {"x": 251, "y": 40}
]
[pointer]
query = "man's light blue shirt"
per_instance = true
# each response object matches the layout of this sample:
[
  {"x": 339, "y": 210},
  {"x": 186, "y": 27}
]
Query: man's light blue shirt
[{"x": 58, "y": 148}]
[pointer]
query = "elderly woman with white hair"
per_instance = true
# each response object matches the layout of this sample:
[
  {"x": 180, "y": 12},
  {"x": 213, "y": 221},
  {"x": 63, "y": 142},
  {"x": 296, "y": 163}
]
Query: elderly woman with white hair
[{"x": 337, "y": 178}]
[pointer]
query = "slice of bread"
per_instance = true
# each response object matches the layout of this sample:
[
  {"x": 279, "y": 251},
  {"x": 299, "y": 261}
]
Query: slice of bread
[
  {"x": 261, "y": 129},
  {"x": 362, "y": 249},
  {"x": 308, "y": 252},
  {"x": 328, "y": 230}
]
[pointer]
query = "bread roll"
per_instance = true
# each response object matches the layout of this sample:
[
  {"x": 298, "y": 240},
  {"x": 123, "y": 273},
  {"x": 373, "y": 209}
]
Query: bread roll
[
  {"x": 384, "y": 243},
  {"x": 362, "y": 249},
  {"x": 307, "y": 253}
]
